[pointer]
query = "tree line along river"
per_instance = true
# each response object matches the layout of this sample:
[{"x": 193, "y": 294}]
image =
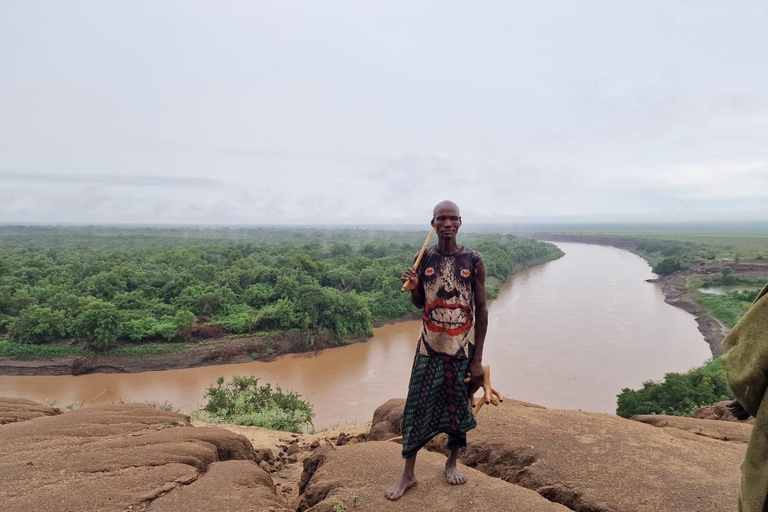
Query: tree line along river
[{"x": 567, "y": 334}]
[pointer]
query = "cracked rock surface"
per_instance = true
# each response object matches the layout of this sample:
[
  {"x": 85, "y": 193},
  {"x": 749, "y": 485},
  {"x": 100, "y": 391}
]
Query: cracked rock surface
[
  {"x": 133, "y": 457},
  {"x": 594, "y": 462},
  {"x": 356, "y": 476},
  {"x": 723, "y": 430},
  {"x": 126, "y": 457},
  {"x": 20, "y": 409}
]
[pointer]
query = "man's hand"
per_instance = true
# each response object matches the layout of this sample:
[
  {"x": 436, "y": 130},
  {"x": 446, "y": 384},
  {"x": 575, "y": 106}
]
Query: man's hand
[
  {"x": 475, "y": 376},
  {"x": 490, "y": 395},
  {"x": 410, "y": 279},
  {"x": 738, "y": 410}
]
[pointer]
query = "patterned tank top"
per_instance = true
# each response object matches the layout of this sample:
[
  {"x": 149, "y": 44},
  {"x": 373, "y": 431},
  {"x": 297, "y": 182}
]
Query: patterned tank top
[{"x": 449, "y": 308}]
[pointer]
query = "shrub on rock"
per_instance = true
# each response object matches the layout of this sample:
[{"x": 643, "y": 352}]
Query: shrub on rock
[{"x": 244, "y": 402}]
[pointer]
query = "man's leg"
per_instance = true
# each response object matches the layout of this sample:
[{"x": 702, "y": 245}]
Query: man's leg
[
  {"x": 452, "y": 474},
  {"x": 407, "y": 480},
  {"x": 412, "y": 429}
]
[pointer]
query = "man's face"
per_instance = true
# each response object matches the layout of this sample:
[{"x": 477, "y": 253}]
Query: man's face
[{"x": 446, "y": 222}]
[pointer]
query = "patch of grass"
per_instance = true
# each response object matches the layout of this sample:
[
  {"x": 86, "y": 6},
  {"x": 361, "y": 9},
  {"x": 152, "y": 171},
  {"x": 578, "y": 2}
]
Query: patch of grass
[
  {"x": 205, "y": 416},
  {"x": 731, "y": 280},
  {"x": 146, "y": 349},
  {"x": 164, "y": 406},
  {"x": 22, "y": 351},
  {"x": 339, "y": 506},
  {"x": 268, "y": 352},
  {"x": 728, "y": 308}
]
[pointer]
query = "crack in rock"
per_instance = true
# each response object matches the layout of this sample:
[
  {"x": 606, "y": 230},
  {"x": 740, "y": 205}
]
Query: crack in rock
[{"x": 512, "y": 465}]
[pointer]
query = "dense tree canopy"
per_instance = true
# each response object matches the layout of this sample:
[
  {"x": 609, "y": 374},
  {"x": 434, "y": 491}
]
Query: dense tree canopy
[
  {"x": 105, "y": 284},
  {"x": 679, "y": 394},
  {"x": 668, "y": 266}
]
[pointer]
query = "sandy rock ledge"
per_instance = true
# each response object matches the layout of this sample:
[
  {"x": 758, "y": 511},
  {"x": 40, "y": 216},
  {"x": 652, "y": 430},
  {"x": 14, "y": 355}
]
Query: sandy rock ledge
[
  {"x": 522, "y": 457},
  {"x": 127, "y": 457}
]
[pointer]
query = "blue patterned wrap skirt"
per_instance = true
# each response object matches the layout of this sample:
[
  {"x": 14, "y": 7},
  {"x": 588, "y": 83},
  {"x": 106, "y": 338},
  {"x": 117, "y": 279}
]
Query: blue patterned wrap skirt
[{"x": 438, "y": 402}]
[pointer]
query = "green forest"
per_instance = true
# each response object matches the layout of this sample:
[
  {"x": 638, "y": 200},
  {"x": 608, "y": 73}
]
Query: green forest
[
  {"x": 679, "y": 394},
  {"x": 101, "y": 285}
]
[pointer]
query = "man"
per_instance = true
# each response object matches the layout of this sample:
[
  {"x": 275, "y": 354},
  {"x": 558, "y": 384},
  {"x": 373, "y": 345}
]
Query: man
[
  {"x": 449, "y": 286},
  {"x": 746, "y": 369}
]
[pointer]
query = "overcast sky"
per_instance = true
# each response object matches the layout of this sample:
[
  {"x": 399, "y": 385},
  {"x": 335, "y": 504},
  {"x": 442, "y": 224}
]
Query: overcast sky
[{"x": 256, "y": 112}]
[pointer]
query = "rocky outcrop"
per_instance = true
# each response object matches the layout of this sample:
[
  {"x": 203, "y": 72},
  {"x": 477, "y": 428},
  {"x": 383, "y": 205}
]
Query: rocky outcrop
[
  {"x": 601, "y": 463},
  {"x": 387, "y": 420},
  {"x": 720, "y": 430},
  {"x": 127, "y": 457},
  {"x": 720, "y": 412},
  {"x": 20, "y": 409},
  {"x": 354, "y": 478},
  {"x": 521, "y": 457},
  {"x": 231, "y": 485}
]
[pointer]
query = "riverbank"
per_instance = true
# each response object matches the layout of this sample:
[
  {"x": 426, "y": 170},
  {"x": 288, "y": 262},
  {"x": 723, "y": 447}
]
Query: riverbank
[
  {"x": 600, "y": 325},
  {"x": 677, "y": 287},
  {"x": 678, "y": 294},
  {"x": 195, "y": 354}
]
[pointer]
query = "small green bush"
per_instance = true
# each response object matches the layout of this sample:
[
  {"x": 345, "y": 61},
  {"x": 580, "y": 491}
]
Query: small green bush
[
  {"x": 268, "y": 352},
  {"x": 668, "y": 266},
  {"x": 243, "y": 402},
  {"x": 679, "y": 394}
]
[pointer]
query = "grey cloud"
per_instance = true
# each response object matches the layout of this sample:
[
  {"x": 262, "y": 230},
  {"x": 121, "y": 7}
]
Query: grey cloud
[
  {"x": 110, "y": 179},
  {"x": 286, "y": 112},
  {"x": 400, "y": 180}
]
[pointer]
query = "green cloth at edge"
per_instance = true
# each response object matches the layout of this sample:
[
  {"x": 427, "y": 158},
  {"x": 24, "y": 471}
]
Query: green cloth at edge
[{"x": 746, "y": 369}]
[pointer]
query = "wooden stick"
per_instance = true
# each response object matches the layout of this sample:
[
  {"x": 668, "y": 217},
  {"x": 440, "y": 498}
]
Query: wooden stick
[
  {"x": 97, "y": 396},
  {"x": 490, "y": 395},
  {"x": 421, "y": 255}
]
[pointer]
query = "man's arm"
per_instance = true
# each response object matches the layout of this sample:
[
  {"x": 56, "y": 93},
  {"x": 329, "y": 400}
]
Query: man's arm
[
  {"x": 738, "y": 411},
  {"x": 415, "y": 289},
  {"x": 475, "y": 368}
]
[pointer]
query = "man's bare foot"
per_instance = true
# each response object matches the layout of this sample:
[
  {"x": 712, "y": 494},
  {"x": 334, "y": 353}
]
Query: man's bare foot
[
  {"x": 452, "y": 474},
  {"x": 400, "y": 487}
]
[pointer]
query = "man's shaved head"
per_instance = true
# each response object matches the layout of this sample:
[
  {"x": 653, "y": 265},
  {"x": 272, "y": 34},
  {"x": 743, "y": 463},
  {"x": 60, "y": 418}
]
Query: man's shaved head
[{"x": 445, "y": 204}]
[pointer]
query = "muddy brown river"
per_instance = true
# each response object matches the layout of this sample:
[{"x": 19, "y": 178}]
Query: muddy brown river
[{"x": 567, "y": 334}]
